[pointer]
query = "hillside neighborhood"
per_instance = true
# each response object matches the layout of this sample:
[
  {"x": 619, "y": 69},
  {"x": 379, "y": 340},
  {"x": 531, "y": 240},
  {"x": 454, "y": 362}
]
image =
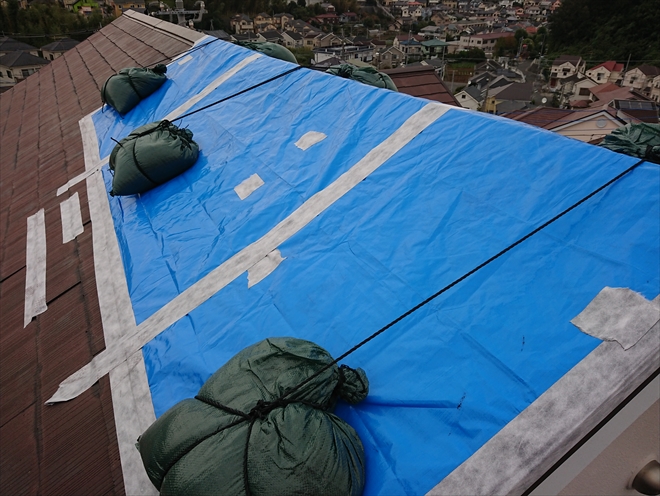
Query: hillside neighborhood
[{"x": 481, "y": 55}]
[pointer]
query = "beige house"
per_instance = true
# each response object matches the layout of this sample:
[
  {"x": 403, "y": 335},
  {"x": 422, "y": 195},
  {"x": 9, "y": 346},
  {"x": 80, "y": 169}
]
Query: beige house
[
  {"x": 9, "y": 45},
  {"x": 16, "y": 66},
  {"x": 607, "y": 72},
  {"x": 292, "y": 39},
  {"x": 564, "y": 67},
  {"x": 282, "y": 21},
  {"x": 57, "y": 48},
  {"x": 581, "y": 89},
  {"x": 641, "y": 78},
  {"x": 241, "y": 24},
  {"x": 655, "y": 89},
  {"x": 121, "y": 5},
  {"x": 388, "y": 59}
]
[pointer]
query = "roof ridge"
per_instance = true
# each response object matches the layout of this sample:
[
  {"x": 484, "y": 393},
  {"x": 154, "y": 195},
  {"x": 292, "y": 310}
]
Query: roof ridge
[{"x": 165, "y": 27}]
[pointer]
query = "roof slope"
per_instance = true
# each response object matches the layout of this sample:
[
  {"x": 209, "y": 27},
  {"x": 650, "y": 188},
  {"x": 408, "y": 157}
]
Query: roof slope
[
  {"x": 9, "y": 45},
  {"x": 69, "y": 448}
]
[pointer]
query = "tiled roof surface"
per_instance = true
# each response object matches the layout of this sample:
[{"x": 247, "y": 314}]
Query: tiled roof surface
[
  {"x": 68, "y": 448},
  {"x": 422, "y": 82}
]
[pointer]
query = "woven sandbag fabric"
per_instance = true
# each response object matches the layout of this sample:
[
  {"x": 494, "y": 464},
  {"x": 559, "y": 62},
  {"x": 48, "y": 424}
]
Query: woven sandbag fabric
[
  {"x": 366, "y": 75},
  {"x": 272, "y": 50},
  {"x": 150, "y": 156},
  {"x": 637, "y": 140},
  {"x": 124, "y": 90},
  {"x": 238, "y": 436}
]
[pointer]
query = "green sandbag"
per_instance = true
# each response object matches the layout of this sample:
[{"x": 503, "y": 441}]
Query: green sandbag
[
  {"x": 296, "y": 447},
  {"x": 272, "y": 50},
  {"x": 637, "y": 140},
  {"x": 150, "y": 156},
  {"x": 366, "y": 75},
  {"x": 124, "y": 90}
]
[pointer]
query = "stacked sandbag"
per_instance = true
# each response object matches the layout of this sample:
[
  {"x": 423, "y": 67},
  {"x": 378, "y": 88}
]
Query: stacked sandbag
[
  {"x": 150, "y": 156},
  {"x": 124, "y": 90},
  {"x": 366, "y": 75},
  {"x": 637, "y": 140},
  {"x": 236, "y": 438},
  {"x": 272, "y": 50}
]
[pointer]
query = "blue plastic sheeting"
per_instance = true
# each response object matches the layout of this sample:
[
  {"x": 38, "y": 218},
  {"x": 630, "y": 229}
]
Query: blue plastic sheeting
[{"x": 450, "y": 376}]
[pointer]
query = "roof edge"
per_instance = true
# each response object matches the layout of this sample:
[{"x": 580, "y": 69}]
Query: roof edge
[{"x": 166, "y": 27}]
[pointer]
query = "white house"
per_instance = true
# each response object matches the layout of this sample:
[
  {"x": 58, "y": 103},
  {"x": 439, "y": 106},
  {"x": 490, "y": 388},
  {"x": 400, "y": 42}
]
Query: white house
[{"x": 609, "y": 71}]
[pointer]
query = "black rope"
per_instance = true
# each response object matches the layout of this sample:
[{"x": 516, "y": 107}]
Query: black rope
[
  {"x": 286, "y": 73},
  {"x": 194, "y": 49},
  {"x": 461, "y": 278}
]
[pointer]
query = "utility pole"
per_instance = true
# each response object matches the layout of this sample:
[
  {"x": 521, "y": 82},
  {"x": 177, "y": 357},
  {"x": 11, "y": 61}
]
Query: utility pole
[{"x": 626, "y": 69}]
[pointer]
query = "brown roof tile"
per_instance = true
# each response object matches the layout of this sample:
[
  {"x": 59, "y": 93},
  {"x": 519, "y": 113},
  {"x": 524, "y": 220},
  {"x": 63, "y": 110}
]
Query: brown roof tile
[
  {"x": 68, "y": 448},
  {"x": 423, "y": 82}
]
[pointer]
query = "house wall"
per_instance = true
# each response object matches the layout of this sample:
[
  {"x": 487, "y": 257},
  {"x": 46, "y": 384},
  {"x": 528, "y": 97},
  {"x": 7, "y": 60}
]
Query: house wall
[
  {"x": 589, "y": 130},
  {"x": 602, "y": 75},
  {"x": 466, "y": 101},
  {"x": 18, "y": 73},
  {"x": 634, "y": 79}
]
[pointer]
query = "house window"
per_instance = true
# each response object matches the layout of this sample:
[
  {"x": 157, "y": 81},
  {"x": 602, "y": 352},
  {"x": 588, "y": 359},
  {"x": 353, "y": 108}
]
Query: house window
[
  {"x": 51, "y": 57},
  {"x": 9, "y": 75},
  {"x": 25, "y": 72},
  {"x": 599, "y": 76},
  {"x": 584, "y": 91}
]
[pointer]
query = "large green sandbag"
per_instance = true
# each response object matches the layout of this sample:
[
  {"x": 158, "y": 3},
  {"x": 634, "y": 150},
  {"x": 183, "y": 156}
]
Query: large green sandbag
[
  {"x": 124, "y": 90},
  {"x": 637, "y": 140},
  {"x": 366, "y": 75},
  {"x": 150, "y": 156},
  {"x": 272, "y": 50},
  {"x": 296, "y": 447}
]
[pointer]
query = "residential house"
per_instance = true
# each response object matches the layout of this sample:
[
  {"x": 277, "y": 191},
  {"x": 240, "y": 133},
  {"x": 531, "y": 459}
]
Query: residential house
[
  {"x": 262, "y": 21},
  {"x": 485, "y": 42},
  {"x": 282, "y": 21},
  {"x": 581, "y": 89},
  {"x": 563, "y": 67},
  {"x": 655, "y": 89},
  {"x": 86, "y": 7},
  {"x": 388, "y": 58},
  {"x": 641, "y": 78},
  {"x": 605, "y": 93},
  {"x": 121, "y": 6},
  {"x": 609, "y": 71},
  {"x": 434, "y": 48},
  {"x": 329, "y": 40},
  {"x": 404, "y": 37},
  {"x": 292, "y": 39},
  {"x": 412, "y": 49},
  {"x": 16, "y": 66},
  {"x": 301, "y": 27},
  {"x": 350, "y": 54},
  {"x": 470, "y": 98},
  {"x": 247, "y": 37},
  {"x": 330, "y": 18},
  {"x": 582, "y": 125},
  {"x": 348, "y": 17},
  {"x": 422, "y": 82},
  {"x": 241, "y": 24},
  {"x": 312, "y": 39},
  {"x": 57, "y": 48},
  {"x": 271, "y": 36},
  {"x": 515, "y": 96},
  {"x": 9, "y": 45}
]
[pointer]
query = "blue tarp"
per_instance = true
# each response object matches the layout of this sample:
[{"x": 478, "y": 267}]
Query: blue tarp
[{"x": 450, "y": 376}]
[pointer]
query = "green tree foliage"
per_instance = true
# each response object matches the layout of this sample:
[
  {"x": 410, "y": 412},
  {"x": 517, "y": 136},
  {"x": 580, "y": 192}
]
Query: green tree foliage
[
  {"x": 41, "y": 23},
  {"x": 607, "y": 30},
  {"x": 474, "y": 54}
]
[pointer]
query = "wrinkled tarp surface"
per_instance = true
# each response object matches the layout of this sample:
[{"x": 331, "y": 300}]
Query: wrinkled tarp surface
[
  {"x": 124, "y": 90},
  {"x": 299, "y": 448},
  {"x": 150, "y": 156},
  {"x": 637, "y": 140},
  {"x": 450, "y": 376}
]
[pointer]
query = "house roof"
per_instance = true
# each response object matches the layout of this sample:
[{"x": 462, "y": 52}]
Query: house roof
[
  {"x": 21, "y": 59},
  {"x": 422, "y": 82},
  {"x": 648, "y": 70},
  {"x": 517, "y": 91},
  {"x": 357, "y": 224},
  {"x": 218, "y": 33},
  {"x": 10, "y": 45},
  {"x": 610, "y": 65},
  {"x": 60, "y": 45},
  {"x": 573, "y": 59},
  {"x": 294, "y": 35},
  {"x": 72, "y": 447}
]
